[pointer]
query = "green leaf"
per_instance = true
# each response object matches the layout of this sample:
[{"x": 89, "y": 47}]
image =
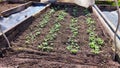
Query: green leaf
[
  {"x": 92, "y": 45},
  {"x": 69, "y": 47},
  {"x": 99, "y": 41},
  {"x": 47, "y": 48},
  {"x": 74, "y": 51},
  {"x": 40, "y": 47}
]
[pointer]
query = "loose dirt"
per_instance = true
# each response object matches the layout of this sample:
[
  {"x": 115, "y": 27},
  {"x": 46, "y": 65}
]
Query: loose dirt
[{"x": 28, "y": 56}]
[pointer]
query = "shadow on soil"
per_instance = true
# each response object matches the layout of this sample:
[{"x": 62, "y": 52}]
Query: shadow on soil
[{"x": 73, "y": 9}]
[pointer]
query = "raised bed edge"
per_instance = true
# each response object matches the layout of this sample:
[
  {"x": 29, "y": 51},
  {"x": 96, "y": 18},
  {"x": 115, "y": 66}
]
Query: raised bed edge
[
  {"x": 104, "y": 22},
  {"x": 34, "y": 16}
]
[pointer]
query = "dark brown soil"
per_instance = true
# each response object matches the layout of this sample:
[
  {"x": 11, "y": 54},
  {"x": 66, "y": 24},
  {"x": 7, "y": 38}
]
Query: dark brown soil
[
  {"x": 28, "y": 56},
  {"x": 4, "y": 6}
]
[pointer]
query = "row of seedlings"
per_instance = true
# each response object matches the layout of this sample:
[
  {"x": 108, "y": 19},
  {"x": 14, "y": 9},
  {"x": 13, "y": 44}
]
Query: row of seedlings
[
  {"x": 72, "y": 44},
  {"x": 47, "y": 44},
  {"x": 46, "y": 18},
  {"x": 95, "y": 42}
]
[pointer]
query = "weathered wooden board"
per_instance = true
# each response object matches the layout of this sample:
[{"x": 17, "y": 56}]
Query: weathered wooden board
[
  {"x": 18, "y": 29},
  {"x": 15, "y": 9}
]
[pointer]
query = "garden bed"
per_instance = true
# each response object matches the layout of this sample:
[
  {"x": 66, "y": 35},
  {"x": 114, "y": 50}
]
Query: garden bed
[{"x": 65, "y": 36}]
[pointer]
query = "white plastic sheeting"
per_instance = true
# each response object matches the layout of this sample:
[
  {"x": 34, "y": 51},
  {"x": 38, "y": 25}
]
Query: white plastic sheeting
[
  {"x": 83, "y": 3},
  {"x": 112, "y": 17},
  {"x": 15, "y": 19}
]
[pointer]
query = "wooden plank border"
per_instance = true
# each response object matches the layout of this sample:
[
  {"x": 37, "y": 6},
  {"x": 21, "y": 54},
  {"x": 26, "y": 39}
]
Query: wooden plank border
[
  {"x": 15, "y": 9},
  {"x": 11, "y": 33}
]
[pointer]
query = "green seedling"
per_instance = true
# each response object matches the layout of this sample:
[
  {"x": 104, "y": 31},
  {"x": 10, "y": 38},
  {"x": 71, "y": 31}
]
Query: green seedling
[
  {"x": 92, "y": 45},
  {"x": 74, "y": 20},
  {"x": 94, "y": 41},
  {"x": 100, "y": 41},
  {"x": 75, "y": 34},
  {"x": 29, "y": 38},
  {"x": 27, "y": 41},
  {"x": 72, "y": 49},
  {"x": 61, "y": 16},
  {"x": 90, "y": 21},
  {"x": 37, "y": 33},
  {"x": 51, "y": 11},
  {"x": 45, "y": 43},
  {"x": 95, "y": 51},
  {"x": 95, "y": 48},
  {"x": 46, "y": 48},
  {"x": 91, "y": 29},
  {"x": 46, "y": 18},
  {"x": 43, "y": 23},
  {"x": 40, "y": 47},
  {"x": 92, "y": 38}
]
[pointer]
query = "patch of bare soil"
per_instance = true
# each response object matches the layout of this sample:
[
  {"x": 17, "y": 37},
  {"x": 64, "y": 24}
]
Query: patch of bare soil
[
  {"x": 28, "y": 56},
  {"x": 4, "y": 6}
]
